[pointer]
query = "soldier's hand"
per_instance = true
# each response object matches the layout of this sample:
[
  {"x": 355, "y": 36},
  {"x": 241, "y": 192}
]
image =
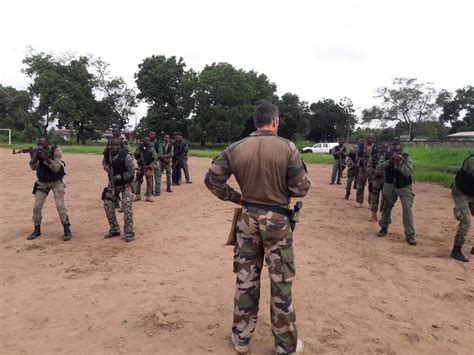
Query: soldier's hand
[
  {"x": 43, "y": 155},
  {"x": 397, "y": 159}
]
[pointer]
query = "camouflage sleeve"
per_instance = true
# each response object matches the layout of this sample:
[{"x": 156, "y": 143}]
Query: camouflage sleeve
[
  {"x": 406, "y": 167},
  {"x": 383, "y": 163},
  {"x": 155, "y": 157},
  {"x": 216, "y": 179},
  {"x": 105, "y": 165},
  {"x": 159, "y": 151},
  {"x": 34, "y": 164},
  {"x": 296, "y": 175},
  {"x": 186, "y": 149},
  {"x": 129, "y": 168},
  {"x": 56, "y": 163},
  {"x": 469, "y": 165}
]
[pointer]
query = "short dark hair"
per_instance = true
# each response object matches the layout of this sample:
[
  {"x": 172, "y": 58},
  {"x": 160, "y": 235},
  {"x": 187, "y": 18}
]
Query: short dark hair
[
  {"x": 264, "y": 113},
  {"x": 115, "y": 140},
  {"x": 45, "y": 137}
]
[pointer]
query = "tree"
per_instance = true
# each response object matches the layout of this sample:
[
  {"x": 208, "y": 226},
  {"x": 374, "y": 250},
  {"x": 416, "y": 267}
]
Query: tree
[
  {"x": 166, "y": 85},
  {"x": 329, "y": 121},
  {"x": 294, "y": 115},
  {"x": 407, "y": 101},
  {"x": 223, "y": 102},
  {"x": 118, "y": 101},
  {"x": 458, "y": 110}
]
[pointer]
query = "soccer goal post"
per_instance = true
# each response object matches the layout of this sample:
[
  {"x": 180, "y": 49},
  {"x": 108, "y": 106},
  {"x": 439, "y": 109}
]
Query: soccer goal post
[{"x": 9, "y": 134}]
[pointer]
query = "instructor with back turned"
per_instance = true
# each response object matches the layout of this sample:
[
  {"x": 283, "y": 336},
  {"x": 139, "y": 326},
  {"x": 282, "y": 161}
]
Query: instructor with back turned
[{"x": 269, "y": 171}]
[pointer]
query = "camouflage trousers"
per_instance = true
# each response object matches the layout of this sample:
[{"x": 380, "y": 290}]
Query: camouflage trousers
[
  {"x": 375, "y": 187},
  {"x": 264, "y": 235},
  {"x": 352, "y": 173},
  {"x": 337, "y": 168},
  {"x": 391, "y": 194},
  {"x": 138, "y": 184},
  {"x": 158, "y": 171},
  {"x": 41, "y": 194},
  {"x": 109, "y": 207},
  {"x": 463, "y": 212},
  {"x": 186, "y": 169}
]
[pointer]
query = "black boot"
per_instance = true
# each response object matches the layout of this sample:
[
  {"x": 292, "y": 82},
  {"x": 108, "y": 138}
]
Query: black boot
[
  {"x": 67, "y": 232},
  {"x": 36, "y": 233},
  {"x": 383, "y": 232},
  {"x": 411, "y": 241},
  {"x": 472, "y": 250},
  {"x": 458, "y": 255},
  {"x": 168, "y": 188},
  {"x": 346, "y": 197}
]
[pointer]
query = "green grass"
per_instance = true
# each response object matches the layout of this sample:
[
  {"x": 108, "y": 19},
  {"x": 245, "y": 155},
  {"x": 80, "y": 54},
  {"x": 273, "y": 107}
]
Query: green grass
[{"x": 438, "y": 165}]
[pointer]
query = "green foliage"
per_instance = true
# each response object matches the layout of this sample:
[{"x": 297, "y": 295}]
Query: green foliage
[{"x": 454, "y": 107}]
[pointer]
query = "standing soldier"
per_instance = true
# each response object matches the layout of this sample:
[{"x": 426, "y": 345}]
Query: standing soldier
[
  {"x": 352, "y": 170},
  {"x": 398, "y": 169},
  {"x": 376, "y": 183},
  {"x": 178, "y": 158},
  {"x": 339, "y": 153},
  {"x": 116, "y": 134},
  {"x": 47, "y": 162},
  {"x": 264, "y": 231},
  {"x": 165, "y": 156},
  {"x": 463, "y": 196},
  {"x": 185, "y": 163},
  {"x": 146, "y": 158},
  {"x": 367, "y": 153},
  {"x": 119, "y": 165},
  {"x": 156, "y": 170}
]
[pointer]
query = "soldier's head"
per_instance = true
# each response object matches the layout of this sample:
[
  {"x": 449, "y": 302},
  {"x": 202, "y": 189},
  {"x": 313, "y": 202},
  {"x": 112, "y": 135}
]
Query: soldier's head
[
  {"x": 114, "y": 145},
  {"x": 266, "y": 117},
  {"x": 166, "y": 138},
  {"x": 115, "y": 132},
  {"x": 384, "y": 147},
  {"x": 341, "y": 143},
  {"x": 146, "y": 141},
  {"x": 152, "y": 135},
  {"x": 370, "y": 138},
  {"x": 43, "y": 141},
  {"x": 396, "y": 147}
]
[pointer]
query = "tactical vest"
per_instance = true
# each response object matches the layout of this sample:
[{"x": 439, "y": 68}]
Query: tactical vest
[
  {"x": 147, "y": 156},
  {"x": 168, "y": 148},
  {"x": 44, "y": 173},
  {"x": 465, "y": 180},
  {"x": 336, "y": 149},
  {"x": 393, "y": 176},
  {"x": 118, "y": 165},
  {"x": 371, "y": 160}
]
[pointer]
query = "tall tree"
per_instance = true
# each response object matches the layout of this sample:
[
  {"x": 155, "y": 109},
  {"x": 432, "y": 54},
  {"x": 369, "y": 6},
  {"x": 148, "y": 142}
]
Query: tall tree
[
  {"x": 406, "y": 101},
  {"x": 223, "y": 102},
  {"x": 329, "y": 120},
  {"x": 294, "y": 116},
  {"x": 457, "y": 110},
  {"x": 118, "y": 100}
]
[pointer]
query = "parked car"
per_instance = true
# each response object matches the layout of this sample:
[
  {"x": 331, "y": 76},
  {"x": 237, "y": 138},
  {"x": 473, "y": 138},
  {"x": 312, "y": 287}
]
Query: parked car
[{"x": 321, "y": 148}]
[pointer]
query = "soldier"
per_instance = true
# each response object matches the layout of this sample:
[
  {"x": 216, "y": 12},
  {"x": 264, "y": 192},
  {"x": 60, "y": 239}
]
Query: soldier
[
  {"x": 116, "y": 134},
  {"x": 376, "y": 183},
  {"x": 398, "y": 169},
  {"x": 178, "y": 158},
  {"x": 185, "y": 164},
  {"x": 263, "y": 228},
  {"x": 339, "y": 153},
  {"x": 146, "y": 158},
  {"x": 352, "y": 170},
  {"x": 49, "y": 169},
  {"x": 367, "y": 154},
  {"x": 119, "y": 165},
  {"x": 165, "y": 157},
  {"x": 157, "y": 171},
  {"x": 463, "y": 196}
]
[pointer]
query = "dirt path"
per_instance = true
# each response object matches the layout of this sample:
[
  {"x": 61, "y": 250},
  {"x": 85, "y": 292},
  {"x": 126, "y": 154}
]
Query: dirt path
[{"x": 171, "y": 290}]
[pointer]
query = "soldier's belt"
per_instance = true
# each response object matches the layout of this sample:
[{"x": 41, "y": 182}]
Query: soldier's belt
[{"x": 277, "y": 209}]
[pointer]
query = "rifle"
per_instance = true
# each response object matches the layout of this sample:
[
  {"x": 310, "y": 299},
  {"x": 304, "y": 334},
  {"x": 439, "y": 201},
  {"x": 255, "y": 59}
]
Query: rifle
[{"x": 28, "y": 150}]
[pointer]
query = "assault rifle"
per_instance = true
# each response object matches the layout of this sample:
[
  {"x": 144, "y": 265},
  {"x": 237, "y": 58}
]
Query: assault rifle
[{"x": 28, "y": 150}]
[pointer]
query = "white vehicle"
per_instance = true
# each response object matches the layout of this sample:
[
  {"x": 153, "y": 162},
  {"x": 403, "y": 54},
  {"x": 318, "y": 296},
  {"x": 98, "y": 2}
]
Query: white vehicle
[{"x": 321, "y": 148}]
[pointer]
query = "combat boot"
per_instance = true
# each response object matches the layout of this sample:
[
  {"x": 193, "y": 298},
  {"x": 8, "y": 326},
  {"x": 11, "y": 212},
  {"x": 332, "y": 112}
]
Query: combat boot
[
  {"x": 411, "y": 241},
  {"x": 168, "y": 188},
  {"x": 148, "y": 199},
  {"x": 240, "y": 349},
  {"x": 67, "y": 232},
  {"x": 36, "y": 233},
  {"x": 129, "y": 237},
  {"x": 346, "y": 197},
  {"x": 112, "y": 234},
  {"x": 382, "y": 232},
  {"x": 458, "y": 255},
  {"x": 472, "y": 250}
]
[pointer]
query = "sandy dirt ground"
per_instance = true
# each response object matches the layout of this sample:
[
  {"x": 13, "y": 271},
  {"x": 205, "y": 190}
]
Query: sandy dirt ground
[{"x": 171, "y": 290}]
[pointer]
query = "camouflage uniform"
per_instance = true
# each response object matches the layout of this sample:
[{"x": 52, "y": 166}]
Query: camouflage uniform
[
  {"x": 49, "y": 177},
  {"x": 368, "y": 158},
  {"x": 263, "y": 233},
  {"x": 398, "y": 183},
  {"x": 151, "y": 158},
  {"x": 123, "y": 172},
  {"x": 352, "y": 171},
  {"x": 464, "y": 201},
  {"x": 339, "y": 163},
  {"x": 163, "y": 165},
  {"x": 185, "y": 163},
  {"x": 178, "y": 159}
]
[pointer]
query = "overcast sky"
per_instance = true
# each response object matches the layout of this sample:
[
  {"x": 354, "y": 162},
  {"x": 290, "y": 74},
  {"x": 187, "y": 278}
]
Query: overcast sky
[{"x": 315, "y": 49}]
